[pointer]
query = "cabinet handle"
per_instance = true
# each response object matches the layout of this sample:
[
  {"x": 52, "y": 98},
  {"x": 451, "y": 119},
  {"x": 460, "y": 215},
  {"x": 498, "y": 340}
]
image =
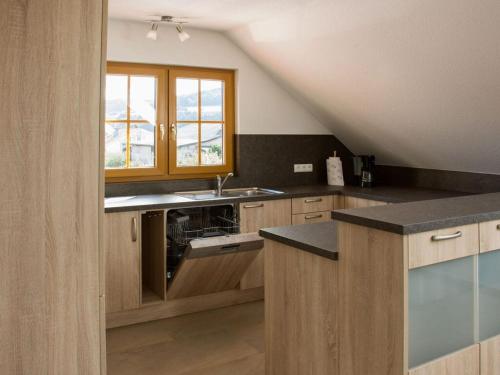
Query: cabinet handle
[
  {"x": 253, "y": 205},
  {"x": 446, "y": 236},
  {"x": 313, "y": 200},
  {"x": 498, "y": 226},
  {"x": 134, "y": 229},
  {"x": 309, "y": 217}
]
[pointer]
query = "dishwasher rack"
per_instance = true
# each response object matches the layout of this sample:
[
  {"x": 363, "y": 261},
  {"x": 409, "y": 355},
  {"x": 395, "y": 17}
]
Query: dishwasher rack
[{"x": 187, "y": 224}]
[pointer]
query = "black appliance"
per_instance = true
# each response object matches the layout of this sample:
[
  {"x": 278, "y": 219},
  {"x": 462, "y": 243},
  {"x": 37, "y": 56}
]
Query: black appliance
[
  {"x": 364, "y": 170},
  {"x": 187, "y": 224}
]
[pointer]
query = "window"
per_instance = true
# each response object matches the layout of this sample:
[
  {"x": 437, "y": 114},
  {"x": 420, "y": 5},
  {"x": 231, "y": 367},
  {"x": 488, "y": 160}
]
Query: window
[
  {"x": 197, "y": 103},
  {"x": 201, "y": 138},
  {"x": 134, "y": 118}
]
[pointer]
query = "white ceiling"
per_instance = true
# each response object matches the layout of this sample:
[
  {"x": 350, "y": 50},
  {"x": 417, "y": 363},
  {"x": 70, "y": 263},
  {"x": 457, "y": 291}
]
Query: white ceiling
[
  {"x": 416, "y": 82},
  {"x": 210, "y": 14}
]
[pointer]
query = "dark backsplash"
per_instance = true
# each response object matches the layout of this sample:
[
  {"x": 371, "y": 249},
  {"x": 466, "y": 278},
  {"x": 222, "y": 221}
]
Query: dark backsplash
[
  {"x": 261, "y": 160},
  {"x": 438, "y": 179}
]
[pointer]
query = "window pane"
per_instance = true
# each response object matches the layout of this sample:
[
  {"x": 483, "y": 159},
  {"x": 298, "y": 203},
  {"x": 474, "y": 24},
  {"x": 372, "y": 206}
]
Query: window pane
[
  {"x": 142, "y": 145},
  {"x": 212, "y": 149},
  {"x": 116, "y": 145},
  {"x": 143, "y": 98},
  {"x": 187, "y": 99},
  {"x": 116, "y": 97},
  {"x": 187, "y": 145},
  {"x": 211, "y": 100}
]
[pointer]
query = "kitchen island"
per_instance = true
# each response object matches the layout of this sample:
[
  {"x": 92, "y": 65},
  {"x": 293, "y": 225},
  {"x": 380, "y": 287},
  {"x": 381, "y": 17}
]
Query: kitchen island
[{"x": 413, "y": 289}]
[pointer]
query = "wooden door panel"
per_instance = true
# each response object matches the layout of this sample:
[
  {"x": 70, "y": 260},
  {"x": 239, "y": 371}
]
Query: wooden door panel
[{"x": 122, "y": 251}]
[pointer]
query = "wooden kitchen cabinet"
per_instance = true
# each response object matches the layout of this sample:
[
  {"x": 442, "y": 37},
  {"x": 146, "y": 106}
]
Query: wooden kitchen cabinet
[
  {"x": 464, "y": 362},
  {"x": 312, "y": 204},
  {"x": 301, "y": 312},
  {"x": 490, "y": 236},
  {"x": 315, "y": 217},
  {"x": 123, "y": 260},
  {"x": 353, "y": 202},
  {"x": 490, "y": 356},
  {"x": 443, "y": 244},
  {"x": 257, "y": 215}
]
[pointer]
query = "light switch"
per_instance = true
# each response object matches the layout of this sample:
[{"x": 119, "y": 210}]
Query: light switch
[{"x": 301, "y": 168}]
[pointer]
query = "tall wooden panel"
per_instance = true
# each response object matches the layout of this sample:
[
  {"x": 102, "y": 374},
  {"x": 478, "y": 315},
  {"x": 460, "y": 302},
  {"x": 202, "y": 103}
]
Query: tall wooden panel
[
  {"x": 372, "y": 309},
  {"x": 50, "y": 83},
  {"x": 301, "y": 312}
]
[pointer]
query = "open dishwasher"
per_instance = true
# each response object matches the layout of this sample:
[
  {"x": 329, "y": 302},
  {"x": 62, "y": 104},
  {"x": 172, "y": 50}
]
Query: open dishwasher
[{"x": 205, "y": 251}]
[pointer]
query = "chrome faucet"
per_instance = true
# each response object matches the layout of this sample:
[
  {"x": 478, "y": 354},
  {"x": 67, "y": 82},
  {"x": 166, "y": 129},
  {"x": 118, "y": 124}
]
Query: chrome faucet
[{"x": 220, "y": 182}]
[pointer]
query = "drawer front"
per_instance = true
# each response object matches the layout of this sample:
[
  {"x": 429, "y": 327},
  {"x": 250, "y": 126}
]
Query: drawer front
[
  {"x": 442, "y": 245},
  {"x": 312, "y": 204},
  {"x": 489, "y": 235},
  {"x": 315, "y": 217},
  {"x": 464, "y": 362}
]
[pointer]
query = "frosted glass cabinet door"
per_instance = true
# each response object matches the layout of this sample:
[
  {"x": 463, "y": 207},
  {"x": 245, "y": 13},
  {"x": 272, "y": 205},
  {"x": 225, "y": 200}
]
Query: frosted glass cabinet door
[
  {"x": 441, "y": 309},
  {"x": 489, "y": 294}
]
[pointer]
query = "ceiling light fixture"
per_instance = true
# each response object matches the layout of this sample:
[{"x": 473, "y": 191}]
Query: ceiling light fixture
[
  {"x": 183, "y": 36},
  {"x": 177, "y": 21},
  {"x": 153, "y": 33}
]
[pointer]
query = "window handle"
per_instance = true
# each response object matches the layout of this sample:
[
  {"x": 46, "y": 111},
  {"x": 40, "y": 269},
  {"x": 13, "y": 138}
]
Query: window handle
[
  {"x": 173, "y": 129},
  {"x": 162, "y": 131}
]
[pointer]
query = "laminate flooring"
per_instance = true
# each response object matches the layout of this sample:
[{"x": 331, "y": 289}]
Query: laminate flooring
[{"x": 216, "y": 342}]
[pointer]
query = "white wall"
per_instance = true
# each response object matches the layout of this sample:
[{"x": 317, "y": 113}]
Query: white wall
[
  {"x": 263, "y": 107},
  {"x": 417, "y": 82}
]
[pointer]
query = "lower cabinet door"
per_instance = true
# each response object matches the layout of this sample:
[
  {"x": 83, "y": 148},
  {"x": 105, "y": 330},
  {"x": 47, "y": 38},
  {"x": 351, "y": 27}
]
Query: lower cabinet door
[
  {"x": 441, "y": 314},
  {"x": 123, "y": 261},
  {"x": 257, "y": 215},
  {"x": 489, "y": 295},
  {"x": 490, "y": 356},
  {"x": 464, "y": 362}
]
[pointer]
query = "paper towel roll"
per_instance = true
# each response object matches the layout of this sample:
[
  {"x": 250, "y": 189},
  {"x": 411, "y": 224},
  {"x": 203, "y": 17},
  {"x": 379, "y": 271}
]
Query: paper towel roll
[{"x": 334, "y": 171}]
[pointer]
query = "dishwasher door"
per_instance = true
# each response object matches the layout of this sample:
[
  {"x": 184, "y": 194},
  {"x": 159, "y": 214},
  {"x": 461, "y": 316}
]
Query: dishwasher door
[{"x": 215, "y": 264}]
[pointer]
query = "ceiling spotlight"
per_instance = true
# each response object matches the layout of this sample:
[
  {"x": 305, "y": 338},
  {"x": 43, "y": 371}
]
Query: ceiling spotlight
[
  {"x": 153, "y": 33},
  {"x": 183, "y": 36}
]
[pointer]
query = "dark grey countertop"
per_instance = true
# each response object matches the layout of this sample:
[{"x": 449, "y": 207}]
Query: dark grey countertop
[
  {"x": 319, "y": 238},
  {"x": 382, "y": 193},
  {"x": 415, "y": 217}
]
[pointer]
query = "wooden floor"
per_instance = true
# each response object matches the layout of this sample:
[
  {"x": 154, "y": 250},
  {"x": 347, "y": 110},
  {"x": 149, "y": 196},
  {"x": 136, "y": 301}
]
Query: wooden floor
[{"x": 217, "y": 342}]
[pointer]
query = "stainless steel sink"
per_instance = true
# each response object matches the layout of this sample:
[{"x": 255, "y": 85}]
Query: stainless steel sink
[{"x": 227, "y": 193}]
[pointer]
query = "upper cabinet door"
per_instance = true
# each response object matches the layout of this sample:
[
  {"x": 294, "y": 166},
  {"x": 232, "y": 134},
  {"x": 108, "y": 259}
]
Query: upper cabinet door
[{"x": 122, "y": 252}]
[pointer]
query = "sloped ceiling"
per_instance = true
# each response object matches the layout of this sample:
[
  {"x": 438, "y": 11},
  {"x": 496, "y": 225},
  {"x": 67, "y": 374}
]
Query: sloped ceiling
[{"x": 415, "y": 82}]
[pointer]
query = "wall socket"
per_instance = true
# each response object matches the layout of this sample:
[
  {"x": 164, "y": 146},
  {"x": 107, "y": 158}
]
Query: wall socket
[{"x": 299, "y": 168}]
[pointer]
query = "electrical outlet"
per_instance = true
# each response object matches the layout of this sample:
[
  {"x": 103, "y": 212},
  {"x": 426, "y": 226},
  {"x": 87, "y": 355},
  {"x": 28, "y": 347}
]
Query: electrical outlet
[{"x": 301, "y": 168}]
